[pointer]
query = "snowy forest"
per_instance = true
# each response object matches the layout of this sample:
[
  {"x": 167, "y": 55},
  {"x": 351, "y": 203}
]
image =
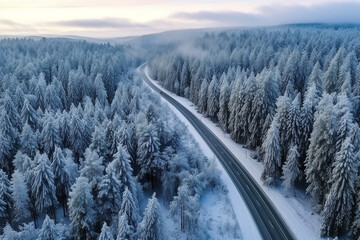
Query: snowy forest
[
  {"x": 84, "y": 145},
  {"x": 290, "y": 93}
]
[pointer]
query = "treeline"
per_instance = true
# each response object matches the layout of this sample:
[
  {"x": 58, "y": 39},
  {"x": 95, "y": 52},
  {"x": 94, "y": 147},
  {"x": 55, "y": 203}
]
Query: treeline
[
  {"x": 290, "y": 93},
  {"x": 81, "y": 137}
]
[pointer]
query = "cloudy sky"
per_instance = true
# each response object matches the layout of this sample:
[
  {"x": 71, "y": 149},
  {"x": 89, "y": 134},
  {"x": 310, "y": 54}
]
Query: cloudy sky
[{"x": 118, "y": 18}]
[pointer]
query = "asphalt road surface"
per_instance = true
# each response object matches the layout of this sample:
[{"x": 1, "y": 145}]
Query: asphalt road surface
[{"x": 268, "y": 220}]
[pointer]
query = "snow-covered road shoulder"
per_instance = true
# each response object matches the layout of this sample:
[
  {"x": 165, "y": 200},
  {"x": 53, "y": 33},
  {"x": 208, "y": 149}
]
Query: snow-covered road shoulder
[{"x": 297, "y": 212}]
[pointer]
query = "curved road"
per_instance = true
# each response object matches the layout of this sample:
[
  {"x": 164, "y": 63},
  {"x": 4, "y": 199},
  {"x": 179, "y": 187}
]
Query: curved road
[{"x": 267, "y": 218}]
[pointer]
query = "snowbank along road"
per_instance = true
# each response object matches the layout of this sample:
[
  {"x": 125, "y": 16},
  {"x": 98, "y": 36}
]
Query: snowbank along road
[{"x": 267, "y": 218}]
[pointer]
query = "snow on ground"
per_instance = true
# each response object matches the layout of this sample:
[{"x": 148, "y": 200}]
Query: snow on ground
[
  {"x": 297, "y": 212},
  {"x": 244, "y": 218}
]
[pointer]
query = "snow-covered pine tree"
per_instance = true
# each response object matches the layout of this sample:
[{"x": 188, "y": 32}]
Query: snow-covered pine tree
[
  {"x": 28, "y": 141},
  {"x": 186, "y": 205},
  {"x": 77, "y": 135},
  {"x": 92, "y": 169},
  {"x": 291, "y": 169},
  {"x": 151, "y": 227},
  {"x": 311, "y": 100},
  {"x": 294, "y": 121},
  {"x": 11, "y": 135},
  {"x": 272, "y": 156},
  {"x": 202, "y": 106},
  {"x": 98, "y": 142},
  {"x": 81, "y": 209},
  {"x": 224, "y": 114},
  {"x": 5, "y": 198},
  {"x": 48, "y": 230},
  {"x": 331, "y": 79},
  {"x": 109, "y": 195},
  {"x": 128, "y": 217},
  {"x": 100, "y": 91},
  {"x": 106, "y": 233},
  {"x": 213, "y": 94},
  {"x": 149, "y": 144},
  {"x": 50, "y": 135},
  {"x": 321, "y": 151},
  {"x": 20, "y": 197},
  {"x": 123, "y": 171},
  {"x": 10, "y": 108},
  {"x": 29, "y": 115},
  {"x": 43, "y": 188},
  {"x": 62, "y": 178},
  {"x": 40, "y": 92},
  {"x": 337, "y": 213},
  {"x": 52, "y": 99}
]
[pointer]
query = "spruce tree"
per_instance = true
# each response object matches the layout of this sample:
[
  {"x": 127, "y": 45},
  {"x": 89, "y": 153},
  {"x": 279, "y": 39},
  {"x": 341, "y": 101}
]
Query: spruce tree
[
  {"x": 62, "y": 178},
  {"x": 105, "y": 233},
  {"x": 43, "y": 187},
  {"x": 28, "y": 141},
  {"x": 340, "y": 201},
  {"x": 109, "y": 195},
  {"x": 48, "y": 230},
  {"x": 272, "y": 157},
  {"x": 128, "y": 216},
  {"x": 321, "y": 151},
  {"x": 20, "y": 197},
  {"x": 151, "y": 227},
  {"x": 81, "y": 210},
  {"x": 29, "y": 115},
  {"x": 5, "y": 198},
  {"x": 291, "y": 169}
]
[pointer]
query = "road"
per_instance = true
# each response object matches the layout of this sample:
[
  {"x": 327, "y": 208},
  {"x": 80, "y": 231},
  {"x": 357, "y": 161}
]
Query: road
[{"x": 268, "y": 220}]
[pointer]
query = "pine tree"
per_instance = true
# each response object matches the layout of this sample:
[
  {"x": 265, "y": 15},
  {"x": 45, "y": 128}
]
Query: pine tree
[
  {"x": 5, "y": 198},
  {"x": 106, "y": 233},
  {"x": 128, "y": 216},
  {"x": 187, "y": 206},
  {"x": 294, "y": 120},
  {"x": 48, "y": 230},
  {"x": 340, "y": 201},
  {"x": 321, "y": 151},
  {"x": 43, "y": 188},
  {"x": 312, "y": 98},
  {"x": 77, "y": 135},
  {"x": 224, "y": 114},
  {"x": 291, "y": 169},
  {"x": 28, "y": 141},
  {"x": 61, "y": 177},
  {"x": 92, "y": 168},
  {"x": 98, "y": 142},
  {"x": 100, "y": 91},
  {"x": 272, "y": 157},
  {"x": 29, "y": 115},
  {"x": 331, "y": 80},
  {"x": 52, "y": 99},
  {"x": 81, "y": 209},
  {"x": 213, "y": 98},
  {"x": 50, "y": 135},
  {"x": 202, "y": 105},
  {"x": 11, "y": 110},
  {"x": 11, "y": 136},
  {"x": 151, "y": 227},
  {"x": 22, "y": 162},
  {"x": 109, "y": 196},
  {"x": 40, "y": 92},
  {"x": 149, "y": 144},
  {"x": 123, "y": 171},
  {"x": 20, "y": 197}
]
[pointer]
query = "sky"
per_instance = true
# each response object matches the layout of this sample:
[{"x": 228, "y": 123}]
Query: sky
[{"x": 120, "y": 18}]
